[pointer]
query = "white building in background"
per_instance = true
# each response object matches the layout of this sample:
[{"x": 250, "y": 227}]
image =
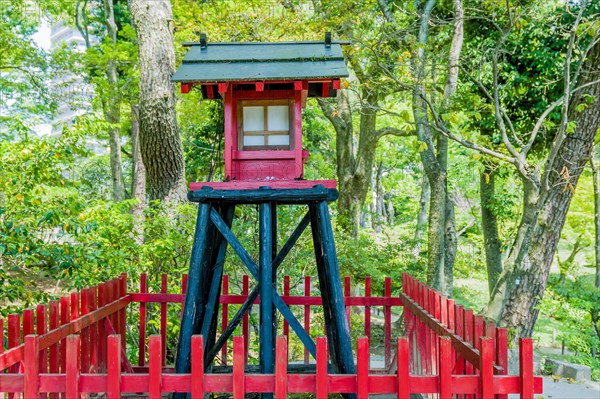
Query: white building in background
[{"x": 74, "y": 95}]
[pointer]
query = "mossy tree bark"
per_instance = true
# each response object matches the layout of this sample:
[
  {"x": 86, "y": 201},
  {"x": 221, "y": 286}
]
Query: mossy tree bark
[{"x": 160, "y": 145}]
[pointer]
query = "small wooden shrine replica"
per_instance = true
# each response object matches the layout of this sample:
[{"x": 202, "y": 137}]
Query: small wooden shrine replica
[{"x": 264, "y": 87}]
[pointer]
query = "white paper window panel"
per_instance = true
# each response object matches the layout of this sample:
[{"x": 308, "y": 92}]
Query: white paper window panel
[
  {"x": 279, "y": 139},
  {"x": 254, "y": 140},
  {"x": 279, "y": 117},
  {"x": 254, "y": 119}
]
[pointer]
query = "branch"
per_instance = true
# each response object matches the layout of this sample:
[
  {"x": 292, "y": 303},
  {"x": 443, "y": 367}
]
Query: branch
[
  {"x": 565, "y": 103},
  {"x": 497, "y": 106},
  {"x": 330, "y": 113},
  {"x": 487, "y": 94},
  {"x": 441, "y": 128},
  {"x": 392, "y": 131},
  {"x": 387, "y": 13},
  {"x": 545, "y": 114}
]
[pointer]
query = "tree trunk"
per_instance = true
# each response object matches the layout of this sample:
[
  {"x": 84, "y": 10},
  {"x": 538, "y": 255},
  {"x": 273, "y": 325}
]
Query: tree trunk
[
  {"x": 531, "y": 275},
  {"x": 422, "y": 214},
  {"x": 442, "y": 227},
  {"x": 596, "y": 179},
  {"x": 138, "y": 180},
  {"x": 354, "y": 170},
  {"x": 489, "y": 225},
  {"x": 111, "y": 106},
  {"x": 378, "y": 217},
  {"x": 160, "y": 144}
]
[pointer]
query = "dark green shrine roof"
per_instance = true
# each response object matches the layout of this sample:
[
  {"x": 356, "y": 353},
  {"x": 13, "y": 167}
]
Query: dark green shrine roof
[{"x": 227, "y": 62}]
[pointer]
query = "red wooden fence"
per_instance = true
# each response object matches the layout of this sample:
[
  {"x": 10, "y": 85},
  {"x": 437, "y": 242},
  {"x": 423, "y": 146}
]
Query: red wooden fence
[{"x": 77, "y": 345}]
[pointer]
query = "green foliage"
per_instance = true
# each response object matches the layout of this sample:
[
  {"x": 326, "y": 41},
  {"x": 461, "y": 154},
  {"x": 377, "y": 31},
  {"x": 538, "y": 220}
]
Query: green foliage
[{"x": 575, "y": 303}]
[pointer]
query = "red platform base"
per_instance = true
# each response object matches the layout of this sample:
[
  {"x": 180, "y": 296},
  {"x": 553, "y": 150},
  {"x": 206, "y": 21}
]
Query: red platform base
[{"x": 254, "y": 184}]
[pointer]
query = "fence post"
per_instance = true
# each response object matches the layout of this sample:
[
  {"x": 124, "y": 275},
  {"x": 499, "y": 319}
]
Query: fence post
[
  {"x": 142, "y": 332},
  {"x": 362, "y": 368},
  {"x": 163, "y": 319},
  {"x": 502, "y": 354},
  {"x": 93, "y": 329},
  {"x": 197, "y": 367},
  {"x": 445, "y": 367},
  {"x": 239, "y": 387},
  {"x": 72, "y": 371},
  {"x": 322, "y": 382},
  {"x": 388, "y": 323},
  {"x": 281, "y": 367},
  {"x": 102, "y": 338},
  {"x": 346, "y": 295},
  {"x": 41, "y": 323},
  {"x": 113, "y": 382},
  {"x": 85, "y": 333},
  {"x": 306, "y": 313},
  {"x": 31, "y": 381},
  {"x": 368, "y": 308},
  {"x": 123, "y": 312},
  {"x": 486, "y": 367},
  {"x": 155, "y": 368},
  {"x": 245, "y": 324},
  {"x": 403, "y": 378},
  {"x": 224, "y": 316},
  {"x": 526, "y": 367},
  {"x": 286, "y": 293}
]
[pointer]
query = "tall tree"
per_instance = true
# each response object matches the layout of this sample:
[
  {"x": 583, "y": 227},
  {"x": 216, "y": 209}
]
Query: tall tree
[
  {"x": 160, "y": 145},
  {"x": 596, "y": 179},
  {"x": 356, "y": 148},
  {"x": 547, "y": 185},
  {"x": 434, "y": 148}
]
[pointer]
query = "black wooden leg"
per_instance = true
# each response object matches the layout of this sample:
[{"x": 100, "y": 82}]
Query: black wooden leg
[
  {"x": 338, "y": 333},
  {"x": 194, "y": 306},
  {"x": 266, "y": 357},
  {"x": 315, "y": 225},
  {"x": 208, "y": 328}
]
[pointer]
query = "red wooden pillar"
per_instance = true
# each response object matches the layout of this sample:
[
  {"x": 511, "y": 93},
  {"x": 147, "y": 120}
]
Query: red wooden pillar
[
  {"x": 526, "y": 367},
  {"x": 502, "y": 354},
  {"x": 402, "y": 371},
  {"x": 102, "y": 300},
  {"x": 368, "y": 308},
  {"x": 229, "y": 112},
  {"x": 93, "y": 330},
  {"x": 239, "y": 386},
  {"x": 388, "y": 322},
  {"x": 224, "y": 316},
  {"x": 123, "y": 312},
  {"x": 286, "y": 293},
  {"x": 142, "y": 332},
  {"x": 245, "y": 324},
  {"x": 155, "y": 368},
  {"x": 486, "y": 368},
  {"x": 197, "y": 367},
  {"x": 346, "y": 295},
  {"x": 362, "y": 368},
  {"x": 163, "y": 319},
  {"x": 113, "y": 380},
  {"x": 306, "y": 314},
  {"x": 40, "y": 329},
  {"x": 322, "y": 379},
  {"x": 298, "y": 129},
  {"x": 281, "y": 365},
  {"x": 85, "y": 333},
  {"x": 31, "y": 382},
  {"x": 72, "y": 371},
  {"x": 445, "y": 367}
]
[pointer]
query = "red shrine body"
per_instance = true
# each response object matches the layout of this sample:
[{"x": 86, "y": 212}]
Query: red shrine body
[{"x": 264, "y": 87}]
